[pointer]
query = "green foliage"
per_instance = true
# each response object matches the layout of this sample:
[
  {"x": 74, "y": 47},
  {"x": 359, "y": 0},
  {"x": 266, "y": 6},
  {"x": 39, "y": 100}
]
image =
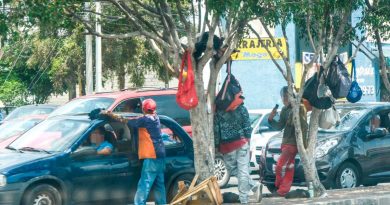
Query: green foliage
[{"x": 12, "y": 93}]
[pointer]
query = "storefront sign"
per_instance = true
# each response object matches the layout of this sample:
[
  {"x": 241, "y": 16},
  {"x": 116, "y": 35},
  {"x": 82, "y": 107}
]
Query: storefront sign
[{"x": 255, "y": 49}]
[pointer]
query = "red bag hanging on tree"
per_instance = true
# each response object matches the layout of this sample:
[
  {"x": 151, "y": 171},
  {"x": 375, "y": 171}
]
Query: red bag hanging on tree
[{"x": 186, "y": 95}]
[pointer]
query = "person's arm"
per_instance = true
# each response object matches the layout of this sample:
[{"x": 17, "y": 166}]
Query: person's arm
[
  {"x": 279, "y": 125},
  {"x": 105, "y": 151},
  {"x": 246, "y": 130}
]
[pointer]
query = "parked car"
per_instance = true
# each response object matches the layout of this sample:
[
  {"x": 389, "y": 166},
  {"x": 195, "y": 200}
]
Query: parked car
[
  {"x": 347, "y": 155},
  {"x": 130, "y": 101},
  {"x": 261, "y": 133},
  {"x": 54, "y": 163},
  {"x": 14, "y": 128},
  {"x": 41, "y": 109}
]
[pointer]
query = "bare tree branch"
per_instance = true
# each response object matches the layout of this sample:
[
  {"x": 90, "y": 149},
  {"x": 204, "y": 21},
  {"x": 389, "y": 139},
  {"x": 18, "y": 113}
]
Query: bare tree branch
[
  {"x": 151, "y": 10},
  {"x": 357, "y": 49},
  {"x": 336, "y": 42},
  {"x": 269, "y": 53},
  {"x": 160, "y": 54},
  {"x": 308, "y": 27},
  {"x": 186, "y": 24}
]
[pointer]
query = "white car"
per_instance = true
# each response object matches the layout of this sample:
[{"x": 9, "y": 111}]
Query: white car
[{"x": 261, "y": 133}]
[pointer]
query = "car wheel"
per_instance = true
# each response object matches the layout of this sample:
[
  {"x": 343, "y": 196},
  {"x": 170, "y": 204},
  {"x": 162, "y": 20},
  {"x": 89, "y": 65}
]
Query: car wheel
[
  {"x": 174, "y": 187},
  {"x": 347, "y": 176},
  {"x": 271, "y": 188},
  {"x": 42, "y": 194},
  {"x": 221, "y": 171}
]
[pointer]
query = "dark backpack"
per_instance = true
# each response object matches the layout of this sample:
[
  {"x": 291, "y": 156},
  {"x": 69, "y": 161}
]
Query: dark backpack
[
  {"x": 310, "y": 94},
  {"x": 338, "y": 79},
  {"x": 229, "y": 91}
]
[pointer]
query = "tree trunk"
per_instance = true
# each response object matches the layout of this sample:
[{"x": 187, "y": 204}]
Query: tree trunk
[
  {"x": 202, "y": 134},
  {"x": 382, "y": 64},
  {"x": 72, "y": 91},
  {"x": 307, "y": 154},
  {"x": 121, "y": 78}
]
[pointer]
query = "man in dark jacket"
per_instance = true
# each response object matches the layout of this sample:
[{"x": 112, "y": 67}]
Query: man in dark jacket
[
  {"x": 289, "y": 145},
  {"x": 232, "y": 132}
]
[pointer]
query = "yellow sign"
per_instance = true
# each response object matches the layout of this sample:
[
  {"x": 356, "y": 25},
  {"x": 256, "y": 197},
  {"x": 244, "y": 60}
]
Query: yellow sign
[{"x": 255, "y": 49}]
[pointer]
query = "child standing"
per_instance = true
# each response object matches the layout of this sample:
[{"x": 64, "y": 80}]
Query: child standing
[{"x": 151, "y": 149}]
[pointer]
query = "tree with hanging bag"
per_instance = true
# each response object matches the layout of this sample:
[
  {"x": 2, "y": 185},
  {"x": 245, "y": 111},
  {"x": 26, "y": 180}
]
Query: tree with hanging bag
[
  {"x": 355, "y": 92},
  {"x": 186, "y": 96}
]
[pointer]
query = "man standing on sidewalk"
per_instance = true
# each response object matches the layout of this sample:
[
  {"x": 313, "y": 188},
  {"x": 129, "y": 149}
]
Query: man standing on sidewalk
[
  {"x": 232, "y": 130},
  {"x": 289, "y": 145}
]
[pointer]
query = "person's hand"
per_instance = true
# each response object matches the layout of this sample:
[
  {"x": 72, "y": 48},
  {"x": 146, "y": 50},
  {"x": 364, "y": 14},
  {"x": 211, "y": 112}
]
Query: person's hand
[{"x": 272, "y": 115}]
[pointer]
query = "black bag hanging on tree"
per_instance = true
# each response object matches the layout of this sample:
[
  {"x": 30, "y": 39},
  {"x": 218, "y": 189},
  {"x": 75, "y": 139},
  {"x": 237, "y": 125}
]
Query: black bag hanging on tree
[
  {"x": 310, "y": 93},
  {"x": 230, "y": 93},
  {"x": 355, "y": 92},
  {"x": 338, "y": 79}
]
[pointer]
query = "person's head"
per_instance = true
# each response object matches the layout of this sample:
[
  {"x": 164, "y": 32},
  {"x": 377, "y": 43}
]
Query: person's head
[
  {"x": 375, "y": 122},
  {"x": 149, "y": 106},
  {"x": 284, "y": 95},
  {"x": 97, "y": 136}
]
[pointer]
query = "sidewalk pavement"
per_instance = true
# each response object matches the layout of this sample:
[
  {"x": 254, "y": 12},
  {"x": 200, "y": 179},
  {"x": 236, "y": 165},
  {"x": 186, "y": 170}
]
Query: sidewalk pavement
[{"x": 375, "y": 195}]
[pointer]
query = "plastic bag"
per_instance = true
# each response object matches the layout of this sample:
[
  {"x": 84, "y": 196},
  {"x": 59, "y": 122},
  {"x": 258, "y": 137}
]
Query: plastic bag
[
  {"x": 186, "y": 96},
  {"x": 328, "y": 118},
  {"x": 355, "y": 92}
]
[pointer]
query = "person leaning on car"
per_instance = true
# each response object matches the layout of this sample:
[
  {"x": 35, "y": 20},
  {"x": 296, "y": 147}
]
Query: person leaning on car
[{"x": 289, "y": 144}]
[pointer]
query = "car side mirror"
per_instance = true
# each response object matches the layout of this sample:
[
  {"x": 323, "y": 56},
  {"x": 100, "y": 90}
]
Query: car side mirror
[
  {"x": 84, "y": 152},
  {"x": 378, "y": 133}
]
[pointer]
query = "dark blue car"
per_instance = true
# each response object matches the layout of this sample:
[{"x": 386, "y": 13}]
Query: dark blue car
[{"x": 55, "y": 163}]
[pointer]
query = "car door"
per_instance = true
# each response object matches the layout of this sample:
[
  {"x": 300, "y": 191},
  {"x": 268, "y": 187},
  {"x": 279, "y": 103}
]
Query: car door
[
  {"x": 90, "y": 177},
  {"x": 126, "y": 167},
  {"x": 377, "y": 154}
]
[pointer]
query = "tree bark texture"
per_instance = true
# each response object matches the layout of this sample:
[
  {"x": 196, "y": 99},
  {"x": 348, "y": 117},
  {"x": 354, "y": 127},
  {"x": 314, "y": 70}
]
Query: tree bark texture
[{"x": 202, "y": 139}]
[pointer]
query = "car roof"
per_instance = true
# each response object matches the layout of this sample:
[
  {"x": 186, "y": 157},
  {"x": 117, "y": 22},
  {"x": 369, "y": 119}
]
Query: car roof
[
  {"x": 39, "y": 106},
  {"x": 370, "y": 105},
  {"x": 131, "y": 93}
]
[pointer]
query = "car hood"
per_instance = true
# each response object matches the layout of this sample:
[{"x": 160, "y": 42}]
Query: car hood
[
  {"x": 276, "y": 141},
  {"x": 10, "y": 158}
]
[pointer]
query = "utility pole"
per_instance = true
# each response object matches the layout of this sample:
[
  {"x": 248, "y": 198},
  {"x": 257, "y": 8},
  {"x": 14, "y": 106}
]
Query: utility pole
[
  {"x": 98, "y": 53},
  {"x": 88, "y": 51}
]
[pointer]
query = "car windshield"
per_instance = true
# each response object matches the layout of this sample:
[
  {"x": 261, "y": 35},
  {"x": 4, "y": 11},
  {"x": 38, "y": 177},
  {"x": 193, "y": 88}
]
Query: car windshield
[
  {"x": 254, "y": 118},
  {"x": 349, "y": 118},
  {"x": 30, "y": 110},
  {"x": 14, "y": 128},
  {"x": 83, "y": 105},
  {"x": 52, "y": 135}
]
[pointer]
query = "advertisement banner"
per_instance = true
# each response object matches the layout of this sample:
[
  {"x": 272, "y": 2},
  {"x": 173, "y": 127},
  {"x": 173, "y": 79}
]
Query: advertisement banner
[{"x": 255, "y": 49}]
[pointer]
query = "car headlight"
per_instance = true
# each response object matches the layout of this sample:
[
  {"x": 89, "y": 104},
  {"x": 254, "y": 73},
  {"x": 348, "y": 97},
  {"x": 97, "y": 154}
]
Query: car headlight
[
  {"x": 3, "y": 180},
  {"x": 324, "y": 146}
]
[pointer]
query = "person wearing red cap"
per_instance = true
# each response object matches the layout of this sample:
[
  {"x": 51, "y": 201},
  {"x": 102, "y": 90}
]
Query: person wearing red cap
[{"x": 151, "y": 149}]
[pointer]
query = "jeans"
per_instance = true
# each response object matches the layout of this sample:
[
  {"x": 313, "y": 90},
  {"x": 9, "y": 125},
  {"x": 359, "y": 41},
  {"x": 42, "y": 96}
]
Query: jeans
[
  {"x": 237, "y": 162},
  {"x": 286, "y": 161},
  {"x": 152, "y": 173}
]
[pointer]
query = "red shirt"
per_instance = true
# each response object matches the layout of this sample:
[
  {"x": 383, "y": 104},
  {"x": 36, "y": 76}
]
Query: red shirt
[{"x": 231, "y": 146}]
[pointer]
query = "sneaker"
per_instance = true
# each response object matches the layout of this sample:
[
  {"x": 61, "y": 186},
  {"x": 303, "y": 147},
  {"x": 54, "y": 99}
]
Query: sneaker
[{"x": 256, "y": 191}]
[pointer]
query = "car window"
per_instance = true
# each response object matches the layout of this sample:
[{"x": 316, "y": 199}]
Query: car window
[
  {"x": 170, "y": 138},
  {"x": 83, "y": 105},
  {"x": 130, "y": 105},
  {"x": 350, "y": 117},
  {"x": 24, "y": 111},
  {"x": 14, "y": 128},
  {"x": 166, "y": 105},
  {"x": 254, "y": 119},
  {"x": 52, "y": 135}
]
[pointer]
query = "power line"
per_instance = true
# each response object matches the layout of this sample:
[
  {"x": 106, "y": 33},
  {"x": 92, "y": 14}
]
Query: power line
[
  {"x": 9, "y": 73},
  {"x": 40, "y": 67}
]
